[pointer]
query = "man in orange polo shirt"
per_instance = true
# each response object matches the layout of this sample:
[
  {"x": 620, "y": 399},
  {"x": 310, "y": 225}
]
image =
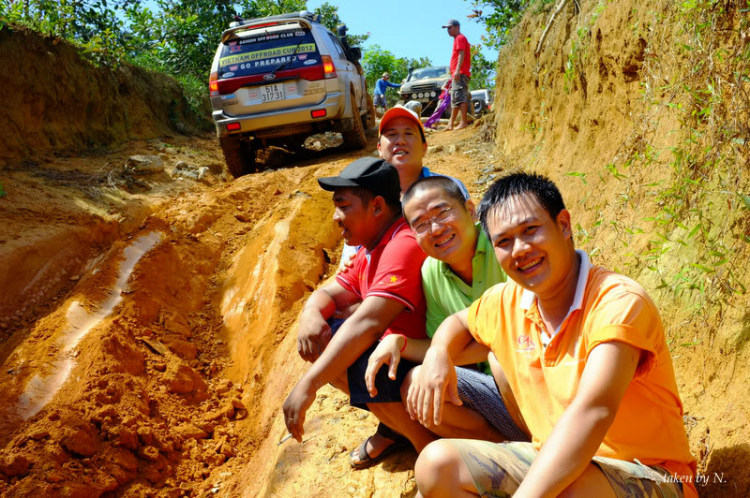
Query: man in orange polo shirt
[{"x": 584, "y": 352}]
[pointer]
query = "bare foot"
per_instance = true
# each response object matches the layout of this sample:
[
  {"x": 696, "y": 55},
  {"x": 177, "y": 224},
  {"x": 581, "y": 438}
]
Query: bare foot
[{"x": 461, "y": 126}]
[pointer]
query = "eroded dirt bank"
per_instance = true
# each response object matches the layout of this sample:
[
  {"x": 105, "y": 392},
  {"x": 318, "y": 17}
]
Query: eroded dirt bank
[
  {"x": 56, "y": 102},
  {"x": 148, "y": 325},
  {"x": 639, "y": 111}
]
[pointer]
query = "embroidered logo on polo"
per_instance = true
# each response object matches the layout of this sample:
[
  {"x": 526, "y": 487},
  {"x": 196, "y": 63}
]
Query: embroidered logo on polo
[{"x": 525, "y": 344}]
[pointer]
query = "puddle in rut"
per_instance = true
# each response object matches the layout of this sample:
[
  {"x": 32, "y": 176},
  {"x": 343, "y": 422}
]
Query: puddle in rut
[{"x": 41, "y": 389}]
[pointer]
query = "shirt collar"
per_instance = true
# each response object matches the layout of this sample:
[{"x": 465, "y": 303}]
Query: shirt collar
[
  {"x": 480, "y": 248},
  {"x": 394, "y": 229},
  {"x": 528, "y": 298}
]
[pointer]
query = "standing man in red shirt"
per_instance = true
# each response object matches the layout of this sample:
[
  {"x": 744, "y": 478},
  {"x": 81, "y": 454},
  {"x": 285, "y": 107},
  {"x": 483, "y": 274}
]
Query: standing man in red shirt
[{"x": 461, "y": 72}]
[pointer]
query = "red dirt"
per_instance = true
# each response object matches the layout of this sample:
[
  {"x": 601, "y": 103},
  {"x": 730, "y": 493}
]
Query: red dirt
[{"x": 178, "y": 391}]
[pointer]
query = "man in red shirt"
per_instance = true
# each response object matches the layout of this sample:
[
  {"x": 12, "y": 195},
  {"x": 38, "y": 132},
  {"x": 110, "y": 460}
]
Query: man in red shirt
[
  {"x": 461, "y": 72},
  {"x": 385, "y": 278}
]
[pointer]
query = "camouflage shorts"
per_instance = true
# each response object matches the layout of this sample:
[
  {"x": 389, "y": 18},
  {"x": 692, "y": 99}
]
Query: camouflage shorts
[
  {"x": 498, "y": 469},
  {"x": 460, "y": 91}
]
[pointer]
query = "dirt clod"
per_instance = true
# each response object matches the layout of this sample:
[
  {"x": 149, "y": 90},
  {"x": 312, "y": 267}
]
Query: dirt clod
[
  {"x": 14, "y": 466},
  {"x": 81, "y": 440}
]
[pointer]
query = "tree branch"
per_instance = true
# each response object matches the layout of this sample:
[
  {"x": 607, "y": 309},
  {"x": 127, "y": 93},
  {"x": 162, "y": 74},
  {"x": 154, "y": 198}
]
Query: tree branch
[{"x": 549, "y": 25}]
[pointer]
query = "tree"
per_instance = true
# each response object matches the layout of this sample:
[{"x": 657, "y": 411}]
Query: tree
[
  {"x": 499, "y": 17},
  {"x": 377, "y": 61},
  {"x": 182, "y": 38},
  {"x": 482, "y": 70},
  {"x": 330, "y": 19}
]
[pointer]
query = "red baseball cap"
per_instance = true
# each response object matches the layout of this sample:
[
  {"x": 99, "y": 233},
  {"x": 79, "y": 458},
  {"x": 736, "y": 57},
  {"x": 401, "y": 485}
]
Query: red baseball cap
[{"x": 401, "y": 112}]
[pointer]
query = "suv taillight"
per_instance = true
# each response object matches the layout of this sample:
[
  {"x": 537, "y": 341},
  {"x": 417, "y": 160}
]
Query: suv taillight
[
  {"x": 328, "y": 68},
  {"x": 213, "y": 84}
]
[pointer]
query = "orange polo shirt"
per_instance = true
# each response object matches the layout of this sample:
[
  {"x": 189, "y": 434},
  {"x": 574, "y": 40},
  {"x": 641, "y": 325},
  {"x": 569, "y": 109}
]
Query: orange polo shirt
[{"x": 608, "y": 307}]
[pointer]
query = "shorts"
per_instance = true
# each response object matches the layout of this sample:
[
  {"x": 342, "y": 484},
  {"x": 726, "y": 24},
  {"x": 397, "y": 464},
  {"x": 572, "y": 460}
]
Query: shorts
[
  {"x": 378, "y": 100},
  {"x": 460, "y": 91},
  {"x": 389, "y": 391},
  {"x": 509, "y": 463},
  {"x": 479, "y": 392}
]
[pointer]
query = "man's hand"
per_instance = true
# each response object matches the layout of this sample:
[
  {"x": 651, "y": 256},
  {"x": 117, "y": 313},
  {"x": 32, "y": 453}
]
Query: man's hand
[
  {"x": 436, "y": 378},
  {"x": 295, "y": 408},
  {"x": 313, "y": 336},
  {"x": 388, "y": 352},
  {"x": 347, "y": 261}
]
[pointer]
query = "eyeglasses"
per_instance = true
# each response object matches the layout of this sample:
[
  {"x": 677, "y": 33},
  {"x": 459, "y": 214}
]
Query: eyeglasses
[{"x": 444, "y": 216}]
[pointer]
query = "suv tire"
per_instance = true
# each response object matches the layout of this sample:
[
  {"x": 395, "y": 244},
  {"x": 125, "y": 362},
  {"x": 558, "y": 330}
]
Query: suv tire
[
  {"x": 355, "y": 138},
  {"x": 241, "y": 160},
  {"x": 479, "y": 107}
]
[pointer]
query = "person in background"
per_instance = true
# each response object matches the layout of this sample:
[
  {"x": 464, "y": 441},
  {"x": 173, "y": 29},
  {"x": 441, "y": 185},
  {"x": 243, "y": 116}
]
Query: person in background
[
  {"x": 443, "y": 102},
  {"x": 460, "y": 69},
  {"x": 381, "y": 86}
]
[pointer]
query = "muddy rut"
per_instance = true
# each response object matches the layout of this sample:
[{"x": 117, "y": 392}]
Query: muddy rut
[{"x": 149, "y": 338}]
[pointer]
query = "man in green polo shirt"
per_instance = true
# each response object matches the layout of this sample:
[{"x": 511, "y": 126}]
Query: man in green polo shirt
[{"x": 460, "y": 266}]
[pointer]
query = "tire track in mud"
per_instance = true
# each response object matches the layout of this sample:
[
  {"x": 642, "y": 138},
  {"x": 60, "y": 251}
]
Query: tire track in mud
[{"x": 149, "y": 404}]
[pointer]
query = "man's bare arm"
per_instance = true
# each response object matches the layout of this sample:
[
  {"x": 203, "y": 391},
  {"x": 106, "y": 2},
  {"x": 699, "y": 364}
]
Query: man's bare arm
[
  {"x": 437, "y": 376},
  {"x": 579, "y": 432},
  {"x": 461, "y": 57},
  {"x": 358, "y": 333},
  {"x": 314, "y": 332}
]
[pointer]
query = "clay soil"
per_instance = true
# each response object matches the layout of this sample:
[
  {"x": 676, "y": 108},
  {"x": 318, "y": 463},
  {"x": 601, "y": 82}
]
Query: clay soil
[
  {"x": 176, "y": 391},
  {"x": 148, "y": 323}
]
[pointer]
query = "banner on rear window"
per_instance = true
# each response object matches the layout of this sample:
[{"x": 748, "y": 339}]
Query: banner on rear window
[{"x": 270, "y": 53}]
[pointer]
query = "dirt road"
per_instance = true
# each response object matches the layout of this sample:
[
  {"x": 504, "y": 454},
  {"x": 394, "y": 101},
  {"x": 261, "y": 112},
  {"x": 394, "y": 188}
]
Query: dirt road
[{"x": 148, "y": 325}]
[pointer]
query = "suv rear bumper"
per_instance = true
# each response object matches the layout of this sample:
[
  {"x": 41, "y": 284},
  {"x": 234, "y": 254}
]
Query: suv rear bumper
[{"x": 274, "y": 121}]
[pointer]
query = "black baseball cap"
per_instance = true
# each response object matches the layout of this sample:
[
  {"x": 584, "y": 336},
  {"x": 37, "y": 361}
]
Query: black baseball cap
[{"x": 370, "y": 173}]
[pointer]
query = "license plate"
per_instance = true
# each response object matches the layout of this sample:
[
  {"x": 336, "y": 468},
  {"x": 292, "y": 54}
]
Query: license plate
[{"x": 270, "y": 93}]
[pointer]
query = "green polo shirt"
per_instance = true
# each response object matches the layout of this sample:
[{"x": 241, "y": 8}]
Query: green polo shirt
[{"x": 446, "y": 293}]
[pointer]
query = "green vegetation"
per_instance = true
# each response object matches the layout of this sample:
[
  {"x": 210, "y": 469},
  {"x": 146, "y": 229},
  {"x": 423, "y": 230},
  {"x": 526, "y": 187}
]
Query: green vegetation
[
  {"x": 2, "y": 190},
  {"x": 692, "y": 236},
  {"x": 482, "y": 70},
  {"x": 579, "y": 46},
  {"x": 501, "y": 16},
  {"x": 377, "y": 61}
]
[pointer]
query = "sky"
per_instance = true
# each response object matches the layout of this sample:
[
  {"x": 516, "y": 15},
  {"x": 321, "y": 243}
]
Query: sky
[{"x": 409, "y": 28}]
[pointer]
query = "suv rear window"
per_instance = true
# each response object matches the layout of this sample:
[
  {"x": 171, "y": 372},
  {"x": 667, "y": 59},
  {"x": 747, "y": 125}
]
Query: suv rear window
[{"x": 251, "y": 55}]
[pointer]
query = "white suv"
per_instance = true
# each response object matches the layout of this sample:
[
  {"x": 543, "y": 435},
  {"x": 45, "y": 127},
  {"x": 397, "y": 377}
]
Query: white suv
[{"x": 278, "y": 79}]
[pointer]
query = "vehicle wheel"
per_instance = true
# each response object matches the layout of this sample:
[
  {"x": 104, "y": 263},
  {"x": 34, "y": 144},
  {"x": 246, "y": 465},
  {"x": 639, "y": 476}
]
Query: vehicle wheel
[
  {"x": 479, "y": 106},
  {"x": 240, "y": 161},
  {"x": 355, "y": 138}
]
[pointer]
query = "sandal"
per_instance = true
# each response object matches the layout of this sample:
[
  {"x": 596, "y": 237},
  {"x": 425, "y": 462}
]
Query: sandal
[{"x": 364, "y": 460}]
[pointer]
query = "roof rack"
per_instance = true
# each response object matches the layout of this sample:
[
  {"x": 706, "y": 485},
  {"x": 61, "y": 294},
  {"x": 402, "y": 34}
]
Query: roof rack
[{"x": 303, "y": 17}]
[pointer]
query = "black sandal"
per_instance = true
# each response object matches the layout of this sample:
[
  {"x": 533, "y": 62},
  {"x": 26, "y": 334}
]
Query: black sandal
[{"x": 365, "y": 460}]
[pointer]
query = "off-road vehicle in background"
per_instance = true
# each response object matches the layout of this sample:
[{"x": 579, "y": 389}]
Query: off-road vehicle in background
[
  {"x": 278, "y": 79},
  {"x": 424, "y": 85},
  {"x": 481, "y": 101}
]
